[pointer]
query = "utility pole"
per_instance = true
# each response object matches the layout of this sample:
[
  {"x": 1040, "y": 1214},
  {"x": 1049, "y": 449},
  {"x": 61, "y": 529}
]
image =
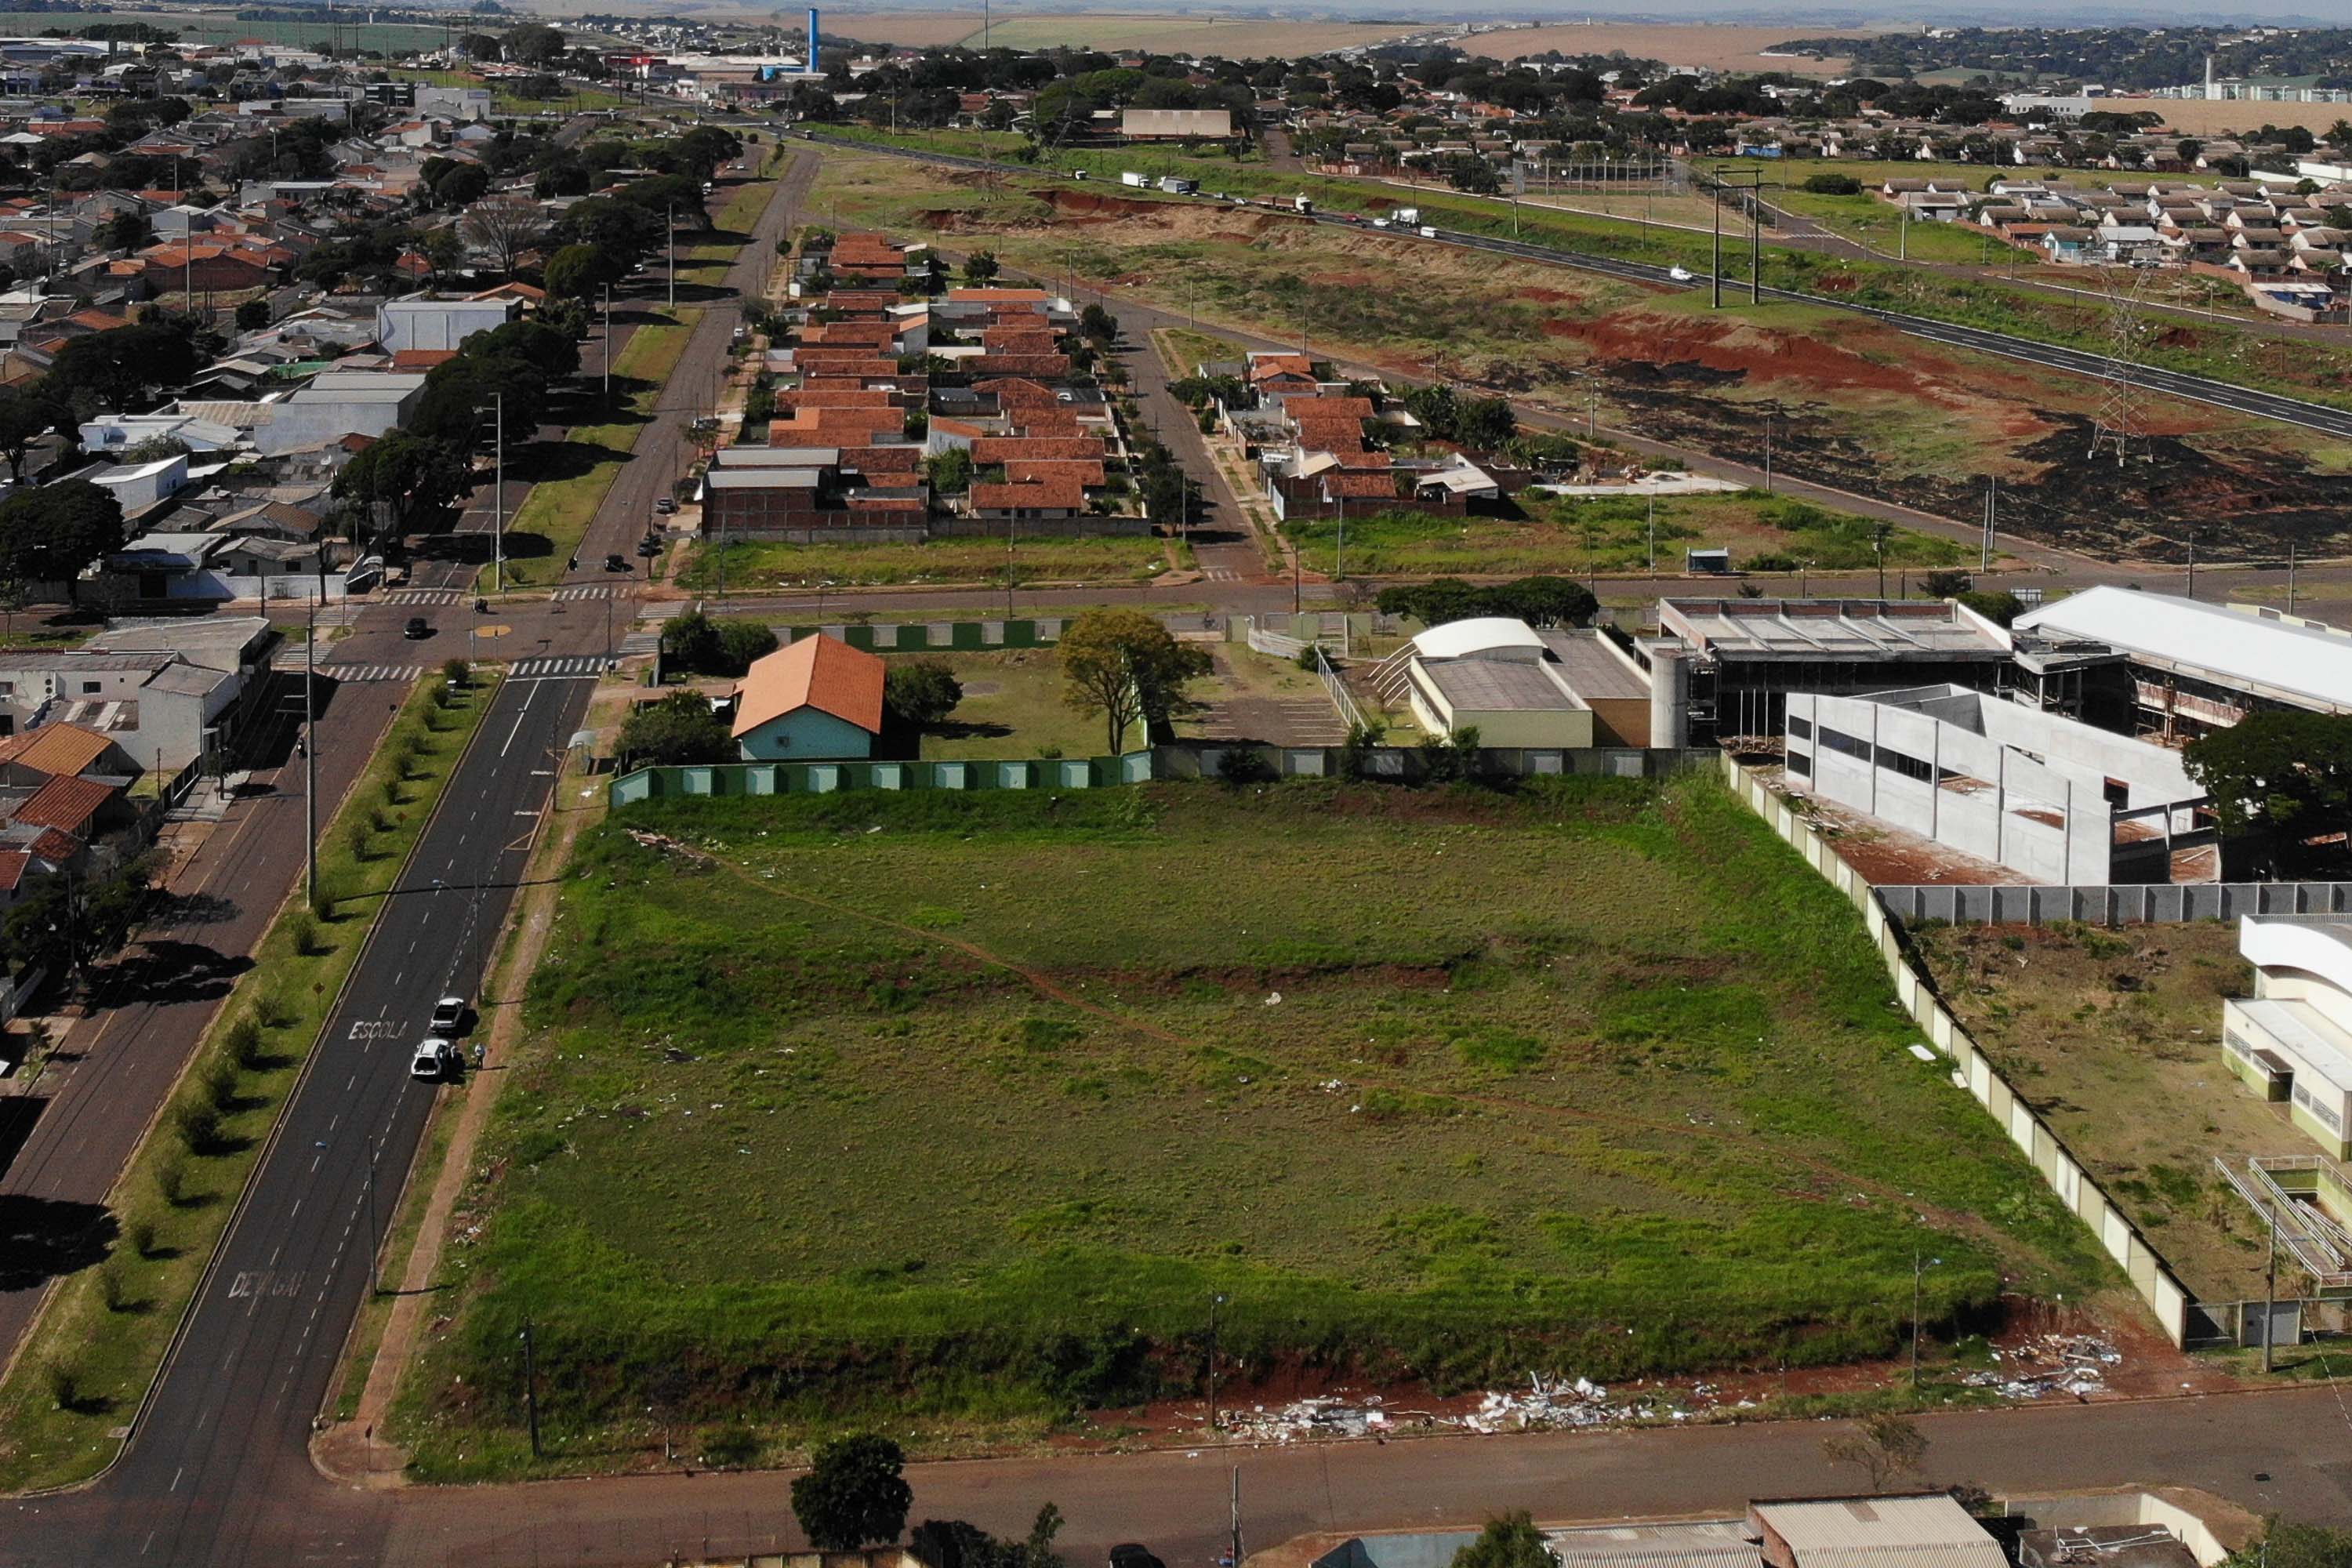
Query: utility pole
[
  {"x": 498, "y": 499},
  {"x": 1715, "y": 270},
  {"x": 2192, "y": 563},
  {"x": 671, "y": 253},
  {"x": 608, "y": 345},
  {"x": 1235, "y": 1544},
  {"x": 2290, "y": 577},
  {"x": 311, "y": 762},
  {"x": 1654, "y": 535},
  {"x": 375, "y": 1283},
  {"x": 1772, "y": 412},
  {"x": 1215, "y": 1301},
  {"x": 1993, "y": 502},
  {"x": 531, "y": 1386},
  {"x": 2270, "y": 1293}
]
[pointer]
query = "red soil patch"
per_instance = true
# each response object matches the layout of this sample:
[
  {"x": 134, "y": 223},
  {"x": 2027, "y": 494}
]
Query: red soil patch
[
  {"x": 1757, "y": 353},
  {"x": 1096, "y": 203}
]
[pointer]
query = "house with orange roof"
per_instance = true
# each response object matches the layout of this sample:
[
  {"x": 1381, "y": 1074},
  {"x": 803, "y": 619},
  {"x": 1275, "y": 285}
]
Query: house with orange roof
[{"x": 816, "y": 700}]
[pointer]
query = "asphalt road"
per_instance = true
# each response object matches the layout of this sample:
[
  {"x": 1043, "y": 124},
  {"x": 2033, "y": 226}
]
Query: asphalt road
[
  {"x": 2201, "y": 389},
  {"x": 217, "y": 1469},
  {"x": 151, "y": 1004}
]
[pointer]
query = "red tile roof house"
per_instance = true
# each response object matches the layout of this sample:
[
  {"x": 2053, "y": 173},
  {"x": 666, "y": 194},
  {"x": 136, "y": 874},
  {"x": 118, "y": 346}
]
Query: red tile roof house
[{"x": 816, "y": 699}]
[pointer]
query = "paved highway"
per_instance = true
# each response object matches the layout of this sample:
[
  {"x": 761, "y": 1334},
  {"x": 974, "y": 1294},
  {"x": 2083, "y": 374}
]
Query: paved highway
[{"x": 2197, "y": 388}]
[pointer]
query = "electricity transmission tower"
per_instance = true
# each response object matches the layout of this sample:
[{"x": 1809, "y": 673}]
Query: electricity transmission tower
[{"x": 2118, "y": 424}]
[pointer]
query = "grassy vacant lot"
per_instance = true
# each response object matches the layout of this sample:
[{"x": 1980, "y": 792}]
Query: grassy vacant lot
[
  {"x": 2115, "y": 1038},
  {"x": 1609, "y": 534},
  {"x": 962, "y": 1107},
  {"x": 1011, "y": 707},
  {"x": 105, "y": 1332},
  {"x": 1082, "y": 560},
  {"x": 549, "y": 525}
]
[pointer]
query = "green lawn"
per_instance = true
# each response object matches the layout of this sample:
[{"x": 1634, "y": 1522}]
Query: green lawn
[
  {"x": 1880, "y": 225},
  {"x": 1011, "y": 707},
  {"x": 504, "y": 100},
  {"x": 951, "y": 1112},
  {"x": 1576, "y": 535},
  {"x": 746, "y": 567},
  {"x": 112, "y": 1348},
  {"x": 549, "y": 525}
]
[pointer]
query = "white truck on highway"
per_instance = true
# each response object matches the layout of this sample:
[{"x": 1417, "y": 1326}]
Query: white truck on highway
[
  {"x": 1302, "y": 205},
  {"x": 1177, "y": 186},
  {"x": 1409, "y": 217},
  {"x": 1129, "y": 177}
]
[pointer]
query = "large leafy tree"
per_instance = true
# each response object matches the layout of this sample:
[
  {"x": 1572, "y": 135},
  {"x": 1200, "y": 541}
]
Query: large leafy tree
[
  {"x": 855, "y": 1493},
  {"x": 26, "y": 414},
  {"x": 2278, "y": 781},
  {"x": 49, "y": 534},
  {"x": 503, "y": 227},
  {"x": 677, "y": 730},
  {"x": 1510, "y": 1542},
  {"x": 1126, "y": 666},
  {"x": 581, "y": 272},
  {"x": 458, "y": 396},
  {"x": 547, "y": 350},
  {"x": 113, "y": 369},
  {"x": 625, "y": 234},
  {"x": 407, "y": 474}
]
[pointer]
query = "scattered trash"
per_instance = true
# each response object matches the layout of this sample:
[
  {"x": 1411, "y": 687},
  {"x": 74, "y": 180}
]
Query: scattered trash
[
  {"x": 1274, "y": 1000},
  {"x": 2071, "y": 1364}
]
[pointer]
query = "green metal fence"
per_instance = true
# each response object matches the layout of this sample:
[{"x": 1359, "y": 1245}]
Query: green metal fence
[
  {"x": 824, "y": 778},
  {"x": 941, "y": 636}
]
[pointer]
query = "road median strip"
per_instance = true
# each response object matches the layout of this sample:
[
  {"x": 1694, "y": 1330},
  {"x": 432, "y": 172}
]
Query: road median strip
[{"x": 68, "y": 1400}]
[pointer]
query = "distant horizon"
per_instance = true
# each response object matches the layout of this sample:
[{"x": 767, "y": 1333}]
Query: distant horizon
[{"x": 1887, "y": 14}]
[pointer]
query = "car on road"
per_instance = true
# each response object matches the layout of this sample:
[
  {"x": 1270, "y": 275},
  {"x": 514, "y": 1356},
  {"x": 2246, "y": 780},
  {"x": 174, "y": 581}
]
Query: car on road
[
  {"x": 448, "y": 1019},
  {"x": 1130, "y": 1554},
  {"x": 617, "y": 563},
  {"x": 649, "y": 547},
  {"x": 667, "y": 505},
  {"x": 417, "y": 628},
  {"x": 1679, "y": 274},
  {"x": 435, "y": 1059}
]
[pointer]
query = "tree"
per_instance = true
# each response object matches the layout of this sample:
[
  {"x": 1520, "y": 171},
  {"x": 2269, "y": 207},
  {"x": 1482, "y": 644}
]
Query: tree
[
  {"x": 1543, "y": 602},
  {"x": 460, "y": 185},
  {"x": 980, "y": 267},
  {"x": 920, "y": 692},
  {"x": 49, "y": 534},
  {"x": 580, "y": 272},
  {"x": 569, "y": 317},
  {"x": 26, "y": 414},
  {"x": 252, "y": 315},
  {"x": 548, "y": 350},
  {"x": 1884, "y": 1444},
  {"x": 742, "y": 644},
  {"x": 532, "y": 44},
  {"x": 110, "y": 370},
  {"x": 1998, "y": 606},
  {"x": 502, "y": 228},
  {"x": 677, "y": 730},
  {"x": 1947, "y": 584},
  {"x": 125, "y": 231},
  {"x": 853, "y": 1494},
  {"x": 2277, "y": 780},
  {"x": 952, "y": 1543},
  {"x": 1510, "y": 1542},
  {"x": 2286, "y": 1545},
  {"x": 1126, "y": 666},
  {"x": 691, "y": 642},
  {"x": 408, "y": 473}
]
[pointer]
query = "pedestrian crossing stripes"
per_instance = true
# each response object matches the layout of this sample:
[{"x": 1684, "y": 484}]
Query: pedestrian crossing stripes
[
  {"x": 582, "y": 666},
  {"x": 1221, "y": 575},
  {"x": 637, "y": 645},
  {"x": 371, "y": 672},
  {"x": 422, "y": 597},
  {"x": 588, "y": 591}
]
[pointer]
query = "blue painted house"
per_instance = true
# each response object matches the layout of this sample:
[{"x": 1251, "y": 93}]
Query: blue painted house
[{"x": 816, "y": 699}]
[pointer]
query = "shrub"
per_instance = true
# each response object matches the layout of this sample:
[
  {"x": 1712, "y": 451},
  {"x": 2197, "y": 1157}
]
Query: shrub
[
  {"x": 275, "y": 1010},
  {"x": 241, "y": 1042},
  {"x": 458, "y": 673},
  {"x": 141, "y": 1234},
  {"x": 64, "y": 1383},
  {"x": 303, "y": 927},
  {"x": 1833, "y": 185},
  {"x": 921, "y": 692},
  {"x": 171, "y": 1180},
  {"x": 198, "y": 1126},
  {"x": 111, "y": 1288},
  {"x": 731, "y": 1448},
  {"x": 219, "y": 1081}
]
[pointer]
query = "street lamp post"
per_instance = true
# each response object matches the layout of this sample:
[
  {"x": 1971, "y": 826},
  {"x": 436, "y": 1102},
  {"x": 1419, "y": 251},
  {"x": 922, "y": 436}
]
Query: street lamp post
[
  {"x": 1215, "y": 1301},
  {"x": 608, "y": 344},
  {"x": 670, "y": 240},
  {"x": 1919, "y": 1267}
]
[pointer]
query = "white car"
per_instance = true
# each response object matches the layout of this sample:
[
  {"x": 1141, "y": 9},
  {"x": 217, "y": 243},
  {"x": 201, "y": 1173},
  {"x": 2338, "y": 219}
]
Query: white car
[
  {"x": 449, "y": 1018},
  {"x": 435, "y": 1059},
  {"x": 1679, "y": 274}
]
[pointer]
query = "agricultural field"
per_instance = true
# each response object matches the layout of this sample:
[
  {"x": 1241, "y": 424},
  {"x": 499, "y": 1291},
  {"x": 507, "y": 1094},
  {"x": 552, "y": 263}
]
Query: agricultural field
[
  {"x": 224, "y": 26},
  {"x": 748, "y": 567},
  {"x": 2196, "y": 116},
  {"x": 2114, "y": 1038},
  {"x": 1853, "y": 403},
  {"x": 938, "y": 1104},
  {"x": 1234, "y": 38},
  {"x": 1574, "y": 535},
  {"x": 1719, "y": 48}
]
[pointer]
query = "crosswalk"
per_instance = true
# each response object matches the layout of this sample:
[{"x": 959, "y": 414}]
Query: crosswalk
[
  {"x": 1220, "y": 575},
  {"x": 579, "y": 666},
  {"x": 421, "y": 595},
  {"x": 589, "y": 591},
  {"x": 348, "y": 672},
  {"x": 637, "y": 645}
]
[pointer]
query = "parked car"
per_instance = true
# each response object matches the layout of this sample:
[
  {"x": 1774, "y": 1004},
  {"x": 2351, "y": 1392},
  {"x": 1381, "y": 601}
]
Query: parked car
[
  {"x": 1129, "y": 1554},
  {"x": 417, "y": 629},
  {"x": 649, "y": 547},
  {"x": 667, "y": 505},
  {"x": 449, "y": 1018},
  {"x": 435, "y": 1059},
  {"x": 617, "y": 563}
]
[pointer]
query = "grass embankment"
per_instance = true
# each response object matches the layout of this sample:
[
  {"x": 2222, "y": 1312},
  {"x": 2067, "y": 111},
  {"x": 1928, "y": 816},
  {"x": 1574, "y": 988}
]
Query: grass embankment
[
  {"x": 548, "y": 527},
  {"x": 954, "y": 1112},
  {"x": 1609, "y": 534},
  {"x": 90, "y": 1359},
  {"x": 1183, "y": 350},
  {"x": 505, "y": 100},
  {"x": 2228, "y": 351},
  {"x": 1106, "y": 559},
  {"x": 708, "y": 263}
]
